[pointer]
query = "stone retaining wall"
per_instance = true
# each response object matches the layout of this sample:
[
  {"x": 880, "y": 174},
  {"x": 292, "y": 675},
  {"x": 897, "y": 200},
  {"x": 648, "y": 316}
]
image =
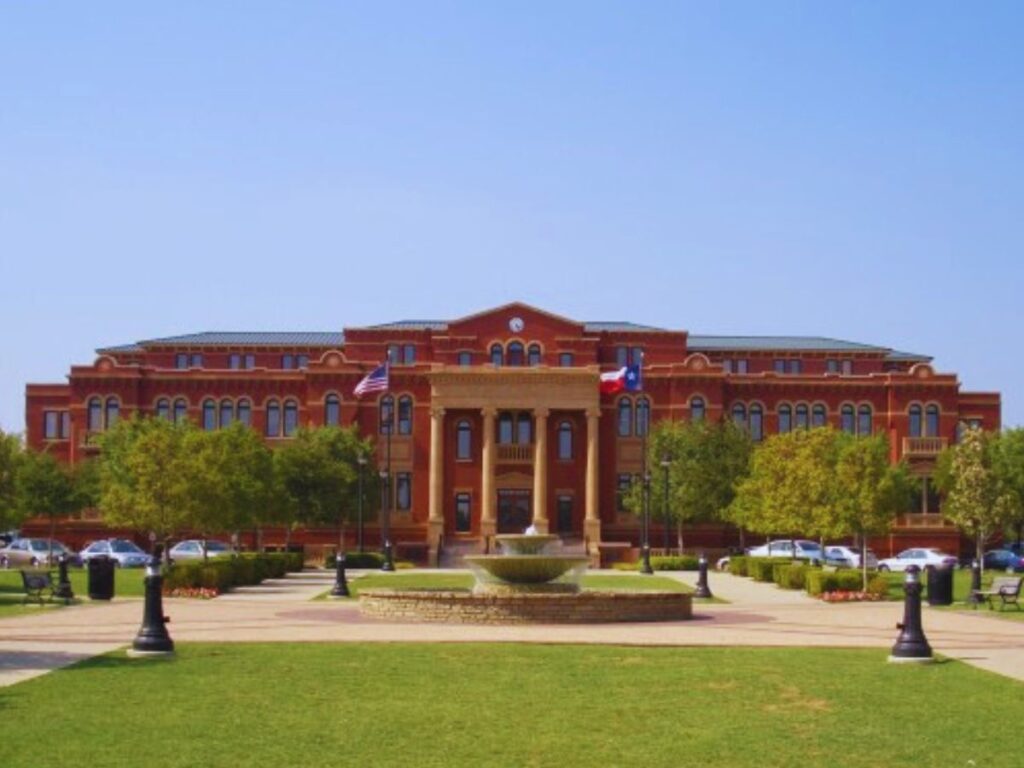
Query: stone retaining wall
[{"x": 470, "y": 608}]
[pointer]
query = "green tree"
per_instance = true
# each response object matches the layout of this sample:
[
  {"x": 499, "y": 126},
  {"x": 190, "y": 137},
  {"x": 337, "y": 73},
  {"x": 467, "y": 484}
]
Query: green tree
[
  {"x": 11, "y": 456},
  {"x": 869, "y": 491},
  {"x": 44, "y": 489},
  {"x": 976, "y": 500},
  {"x": 1008, "y": 464},
  {"x": 145, "y": 481}
]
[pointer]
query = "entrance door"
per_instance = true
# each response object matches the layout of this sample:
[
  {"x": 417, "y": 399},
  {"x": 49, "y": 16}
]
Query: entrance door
[
  {"x": 513, "y": 511},
  {"x": 565, "y": 515}
]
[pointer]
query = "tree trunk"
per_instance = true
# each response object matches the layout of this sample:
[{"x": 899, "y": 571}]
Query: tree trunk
[
  {"x": 287, "y": 538},
  {"x": 979, "y": 552},
  {"x": 864, "y": 562},
  {"x": 743, "y": 539},
  {"x": 679, "y": 535}
]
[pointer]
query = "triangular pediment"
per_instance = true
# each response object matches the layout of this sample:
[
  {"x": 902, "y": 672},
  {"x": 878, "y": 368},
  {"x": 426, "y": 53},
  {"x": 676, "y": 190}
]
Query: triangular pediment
[{"x": 515, "y": 319}]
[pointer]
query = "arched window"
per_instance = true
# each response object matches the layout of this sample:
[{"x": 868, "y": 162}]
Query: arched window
[
  {"x": 847, "y": 420},
  {"x": 524, "y": 429},
  {"x": 244, "y": 413},
  {"x": 864, "y": 420},
  {"x": 273, "y": 418},
  {"x": 625, "y": 417},
  {"x": 643, "y": 416},
  {"x": 739, "y": 415},
  {"x": 697, "y": 409},
  {"x": 405, "y": 415},
  {"x": 565, "y": 440},
  {"x": 180, "y": 410},
  {"x": 533, "y": 354},
  {"x": 463, "y": 441},
  {"x": 227, "y": 413},
  {"x": 113, "y": 412},
  {"x": 95, "y": 415},
  {"x": 931, "y": 421},
  {"x": 209, "y": 415},
  {"x": 291, "y": 417},
  {"x": 387, "y": 414},
  {"x": 505, "y": 425},
  {"x": 915, "y": 421},
  {"x": 801, "y": 416},
  {"x": 756, "y": 423},
  {"x": 163, "y": 408},
  {"x": 332, "y": 410},
  {"x": 785, "y": 418},
  {"x": 497, "y": 355},
  {"x": 515, "y": 354},
  {"x": 819, "y": 417}
]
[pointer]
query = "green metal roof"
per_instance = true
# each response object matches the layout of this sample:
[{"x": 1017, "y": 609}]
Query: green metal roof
[
  {"x": 701, "y": 343},
  {"x": 238, "y": 338},
  {"x": 411, "y": 325},
  {"x": 618, "y": 326}
]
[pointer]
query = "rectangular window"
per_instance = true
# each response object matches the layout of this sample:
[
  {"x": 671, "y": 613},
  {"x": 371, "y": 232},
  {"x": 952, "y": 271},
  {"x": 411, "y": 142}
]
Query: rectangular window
[
  {"x": 196, "y": 361},
  {"x": 409, "y": 354},
  {"x": 636, "y": 356},
  {"x": 622, "y": 356},
  {"x": 780, "y": 366},
  {"x": 832, "y": 366},
  {"x": 403, "y": 490},
  {"x": 287, "y": 362},
  {"x": 741, "y": 366},
  {"x": 393, "y": 351},
  {"x": 465, "y": 358},
  {"x": 847, "y": 367},
  {"x": 302, "y": 361},
  {"x": 235, "y": 362},
  {"x": 181, "y": 360},
  {"x": 794, "y": 366},
  {"x": 65, "y": 424},
  {"x": 622, "y": 484},
  {"x": 250, "y": 361},
  {"x": 565, "y": 359},
  {"x": 727, "y": 365},
  {"x": 463, "y": 519},
  {"x": 563, "y": 505},
  {"x": 51, "y": 425}
]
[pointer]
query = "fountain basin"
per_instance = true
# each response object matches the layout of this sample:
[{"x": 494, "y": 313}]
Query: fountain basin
[
  {"x": 525, "y": 543},
  {"x": 519, "y": 571}
]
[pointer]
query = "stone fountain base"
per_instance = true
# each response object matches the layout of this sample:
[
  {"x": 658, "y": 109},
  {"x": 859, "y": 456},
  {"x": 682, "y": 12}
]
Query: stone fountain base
[{"x": 516, "y": 607}]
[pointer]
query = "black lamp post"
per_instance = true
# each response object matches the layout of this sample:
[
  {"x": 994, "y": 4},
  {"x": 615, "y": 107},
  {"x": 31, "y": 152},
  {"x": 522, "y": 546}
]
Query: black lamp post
[
  {"x": 63, "y": 590},
  {"x": 703, "y": 590},
  {"x": 665, "y": 464},
  {"x": 340, "y": 588},
  {"x": 974, "y": 599},
  {"x": 386, "y": 500},
  {"x": 911, "y": 645},
  {"x": 645, "y": 528},
  {"x": 153, "y": 638},
  {"x": 359, "y": 529}
]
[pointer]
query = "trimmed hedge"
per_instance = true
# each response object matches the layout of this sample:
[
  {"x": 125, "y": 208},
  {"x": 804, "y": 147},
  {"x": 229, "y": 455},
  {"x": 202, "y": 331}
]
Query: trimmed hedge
[
  {"x": 763, "y": 568},
  {"x": 738, "y": 565},
  {"x": 368, "y": 560},
  {"x": 663, "y": 563},
  {"x": 791, "y": 575},
  {"x": 223, "y": 574},
  {"x": 819, "y": 581}
]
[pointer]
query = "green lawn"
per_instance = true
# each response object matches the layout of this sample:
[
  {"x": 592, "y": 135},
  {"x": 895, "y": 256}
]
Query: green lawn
[
  {"x": 427, "y": 580},
  {"x": 512, "y": 705},
  {"x": 127, "y": 583}
]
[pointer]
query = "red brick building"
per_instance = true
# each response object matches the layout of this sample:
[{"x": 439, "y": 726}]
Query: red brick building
[{"x": 500, "y": 410}]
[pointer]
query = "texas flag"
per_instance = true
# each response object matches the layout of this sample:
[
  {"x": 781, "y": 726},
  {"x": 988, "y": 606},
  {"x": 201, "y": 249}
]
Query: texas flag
[{"x": 626, "y": 379}]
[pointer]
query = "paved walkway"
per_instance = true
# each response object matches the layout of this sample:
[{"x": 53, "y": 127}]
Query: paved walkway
[{"x": 282, "y": 611}]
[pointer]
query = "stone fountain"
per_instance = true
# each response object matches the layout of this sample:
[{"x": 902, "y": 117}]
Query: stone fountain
[{"x": 529, "y": 582}]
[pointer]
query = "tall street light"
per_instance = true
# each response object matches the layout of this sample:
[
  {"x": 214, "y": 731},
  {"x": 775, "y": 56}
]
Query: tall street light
[
  {"x": 645, "y": 546},
  {"x": 665, "y": 464},
  {"x": 385, "y": 498},
  {"x": 359, "y": 530}
]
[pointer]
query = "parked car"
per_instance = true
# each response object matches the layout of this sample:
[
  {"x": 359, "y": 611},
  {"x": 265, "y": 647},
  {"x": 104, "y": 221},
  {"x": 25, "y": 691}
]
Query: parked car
[
  {"x": 1004, "y": 560},
  {"x": 842, "y": 556},
  {"x": 805, "y": 549},
  {"x": 34, "y": 552},
  {"x": 922, "y": 557},
  {"x": 7, "y": 537},
  {"x": 192, "y": 549},
  {"x": 124, "y": 553}
]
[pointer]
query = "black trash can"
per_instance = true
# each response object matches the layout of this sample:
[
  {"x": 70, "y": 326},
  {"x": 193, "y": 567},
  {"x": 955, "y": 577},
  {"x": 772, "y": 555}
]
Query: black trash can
[
  {"x": 940, "y": 586},
  {"x": 101, "y": 578}
]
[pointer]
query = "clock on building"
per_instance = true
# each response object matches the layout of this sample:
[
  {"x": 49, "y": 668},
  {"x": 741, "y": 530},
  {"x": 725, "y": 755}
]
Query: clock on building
[{"x": 516, "y": 324}]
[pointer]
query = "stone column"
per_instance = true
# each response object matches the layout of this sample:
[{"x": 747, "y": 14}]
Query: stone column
[
  {"x": 540, "y": 470},
  {"x": 435, "y": 521},
  {"x": 592, "y": 521},
  {"x": 488, "y": 502}
]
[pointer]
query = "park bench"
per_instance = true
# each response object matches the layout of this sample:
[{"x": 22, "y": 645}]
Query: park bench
[
  {"x": 34, "y": 584},
  {"x": 1007, "y": 589}
]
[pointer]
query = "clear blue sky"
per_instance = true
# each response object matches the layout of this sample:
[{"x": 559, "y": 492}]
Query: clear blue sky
[{"x": 803, "y": 168}]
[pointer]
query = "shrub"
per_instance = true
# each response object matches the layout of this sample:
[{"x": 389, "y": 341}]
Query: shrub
[
  {"x": 663, "y": 563},
  {"x": 738, "y": 565},
  {"x": 357, "y": 560},
  {"x": 763, "y": 568},
  {"x": 819, "y": 582},
  {"x": 222, "y": 574},
  {"x": 790, "y": 575},
  {"x": 878, "y": 585}
]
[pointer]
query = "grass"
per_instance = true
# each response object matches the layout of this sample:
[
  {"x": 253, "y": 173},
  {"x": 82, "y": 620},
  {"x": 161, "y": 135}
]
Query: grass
[
  {"x": 465, "y": 581},
  {"x": 511, "y": 705},
  {"x": 127, "y": 583}
]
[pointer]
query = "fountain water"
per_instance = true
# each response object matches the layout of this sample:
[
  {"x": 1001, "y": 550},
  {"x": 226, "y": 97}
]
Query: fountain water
[{"x": 527, "y": 564}]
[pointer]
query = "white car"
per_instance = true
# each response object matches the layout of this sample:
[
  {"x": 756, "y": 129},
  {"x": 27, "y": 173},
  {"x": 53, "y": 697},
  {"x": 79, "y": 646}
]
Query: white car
[
  {"x": 805, "y": 549},
  {"x": 922, "y": 557},
  {"x": 124, "y": 553},
  {"x": 847, "y": 557},
  {"x": 192, "y": 549}
]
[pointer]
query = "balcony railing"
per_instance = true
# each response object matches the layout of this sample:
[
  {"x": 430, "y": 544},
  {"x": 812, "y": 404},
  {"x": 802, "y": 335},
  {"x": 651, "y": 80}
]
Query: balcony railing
[
  {"x": 91, "y": 440},
  {"x": 515, "y": 454},
  {"x": 923, "y": 446}
]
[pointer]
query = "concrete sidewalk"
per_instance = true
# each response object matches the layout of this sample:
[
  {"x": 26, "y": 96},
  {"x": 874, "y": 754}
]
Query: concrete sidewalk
[{"x": 282, "y": 611}]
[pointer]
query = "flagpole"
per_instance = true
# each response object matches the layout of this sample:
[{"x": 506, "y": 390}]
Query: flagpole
[
  {"x": 389, "y": 562},
  {"x": 645, "y": 546}
]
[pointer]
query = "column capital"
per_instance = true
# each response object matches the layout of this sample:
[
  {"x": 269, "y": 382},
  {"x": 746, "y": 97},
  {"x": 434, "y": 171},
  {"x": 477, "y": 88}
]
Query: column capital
[
  {"x": 489, "y": 412},
  {"x": 437, "y": 411},
  {"x": 541, "y": 413},
  {"x": 593, "y": 413}
]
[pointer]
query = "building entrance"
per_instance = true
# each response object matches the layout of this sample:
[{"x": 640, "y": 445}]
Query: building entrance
[{"x": 513, "y": 510}]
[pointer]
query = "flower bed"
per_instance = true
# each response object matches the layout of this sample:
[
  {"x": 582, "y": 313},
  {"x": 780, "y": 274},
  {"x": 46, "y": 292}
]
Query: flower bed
[
  {"x": 846, "y": 596},
  {"x": 201, "y": 593}
]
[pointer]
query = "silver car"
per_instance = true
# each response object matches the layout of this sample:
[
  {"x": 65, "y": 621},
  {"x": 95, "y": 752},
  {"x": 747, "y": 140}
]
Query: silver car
[
  {"x": 193, "y": 549},
  {"x": 33, "y": 553},
  {"x": 124, "y": 553},
  {"x": 843, "y": 556}
]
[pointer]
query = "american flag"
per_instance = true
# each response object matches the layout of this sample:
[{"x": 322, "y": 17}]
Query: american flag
[{"x": 375, "y": 381}]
